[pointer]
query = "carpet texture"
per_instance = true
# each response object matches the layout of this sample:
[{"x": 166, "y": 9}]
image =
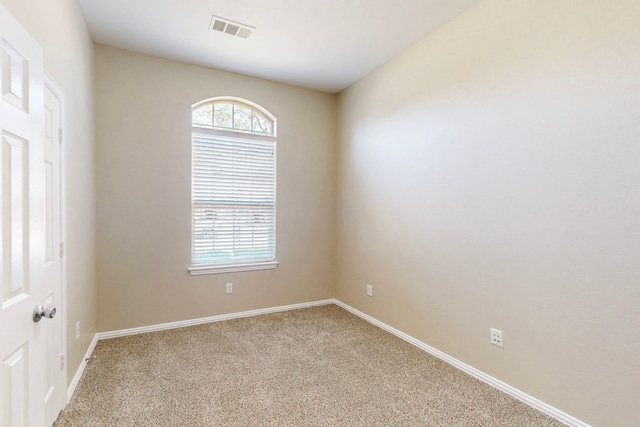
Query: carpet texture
[{"x": 319, "y": 366}]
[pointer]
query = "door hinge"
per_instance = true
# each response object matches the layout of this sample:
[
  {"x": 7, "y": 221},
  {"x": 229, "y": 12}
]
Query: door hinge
[
  {"x": 60, "y": 135},
  {"x": 61, "y": 361},
  {"x": 61, "y": 249}
]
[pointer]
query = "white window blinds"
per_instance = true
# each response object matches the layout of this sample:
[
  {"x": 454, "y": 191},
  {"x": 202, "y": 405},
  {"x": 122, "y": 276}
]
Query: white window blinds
[{"x": 233, "y": 199}]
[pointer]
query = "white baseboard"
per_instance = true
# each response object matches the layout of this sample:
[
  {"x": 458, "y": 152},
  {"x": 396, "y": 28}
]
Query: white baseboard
[
  {"x": 506, "y": 388},
  {"x": 83, "y": 364},
  {"x": 202, "y": 320}
]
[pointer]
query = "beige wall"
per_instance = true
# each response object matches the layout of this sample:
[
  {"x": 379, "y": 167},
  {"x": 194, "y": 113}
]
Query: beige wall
[
  {"x": 144, "y": 153},
  {"x": 60, "y": 29},
  {"x": 488, "y": 177}
]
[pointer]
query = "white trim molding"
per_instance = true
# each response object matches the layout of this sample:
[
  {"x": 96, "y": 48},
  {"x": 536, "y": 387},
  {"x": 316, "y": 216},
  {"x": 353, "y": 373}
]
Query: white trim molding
[
  {"x": 203, "y": 320},
  {"x": 232, "y": 268},
  {"x": 76, "y": 378},
  {"x": 494, "y": 382}
]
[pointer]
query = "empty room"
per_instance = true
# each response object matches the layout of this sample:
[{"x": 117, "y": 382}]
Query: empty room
[{"x": 320, "y": 213}]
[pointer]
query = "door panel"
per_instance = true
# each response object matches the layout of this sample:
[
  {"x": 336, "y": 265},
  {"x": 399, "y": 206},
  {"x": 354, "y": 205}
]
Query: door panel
[
  {"x": 22, "y": 341},
  {"x": 15, "y": 77},
  {"x": 15, "y": 184},
  {"x": 14, "y": 385}
]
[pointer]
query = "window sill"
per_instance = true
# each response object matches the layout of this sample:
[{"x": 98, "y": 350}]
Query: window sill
[{"x": 232, "y": 268}]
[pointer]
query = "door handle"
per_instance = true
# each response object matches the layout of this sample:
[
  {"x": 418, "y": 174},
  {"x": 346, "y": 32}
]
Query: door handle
[{"x": 39, "y": 312}]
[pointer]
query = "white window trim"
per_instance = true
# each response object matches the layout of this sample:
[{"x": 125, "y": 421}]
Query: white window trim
[
  {"x": 232, "y": 268},
  {"x": 197, "y": 270}
]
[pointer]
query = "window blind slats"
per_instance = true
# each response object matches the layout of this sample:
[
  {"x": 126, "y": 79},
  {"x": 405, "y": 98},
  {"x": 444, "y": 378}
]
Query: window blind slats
[
  {"x": 205, "y": 146},
  {"x": 233, "y": 197},
  {"x": 249, "y": 174},
  {"x": 205, "y": 141}
]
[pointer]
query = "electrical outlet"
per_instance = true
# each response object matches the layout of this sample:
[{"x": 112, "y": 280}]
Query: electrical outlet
[
  {"x": 229, "y": 288},
  {"x": 496, "y": 337},
  {"x": 77, "y": 330},
  {"x": 370, "y": 290}
]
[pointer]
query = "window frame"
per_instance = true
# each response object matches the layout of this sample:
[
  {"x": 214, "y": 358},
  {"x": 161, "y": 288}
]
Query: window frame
[{"x": 237, "y": 136}]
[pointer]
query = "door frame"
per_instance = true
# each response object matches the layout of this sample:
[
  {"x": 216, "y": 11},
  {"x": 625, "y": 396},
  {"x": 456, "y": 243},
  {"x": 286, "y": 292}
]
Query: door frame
[{"x": 53, "y": 86}]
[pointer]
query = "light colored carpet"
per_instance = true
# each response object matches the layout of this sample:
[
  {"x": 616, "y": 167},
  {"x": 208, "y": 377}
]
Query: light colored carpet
[{"x": 320, "y": 366}]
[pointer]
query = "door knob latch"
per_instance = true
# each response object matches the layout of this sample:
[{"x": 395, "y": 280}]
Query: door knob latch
[{"x": 39, "y": 312}]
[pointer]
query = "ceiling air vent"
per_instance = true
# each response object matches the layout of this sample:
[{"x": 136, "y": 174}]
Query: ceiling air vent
[
  {"x": 218, "y": 25},
  {"x": 224, "y": 25}
]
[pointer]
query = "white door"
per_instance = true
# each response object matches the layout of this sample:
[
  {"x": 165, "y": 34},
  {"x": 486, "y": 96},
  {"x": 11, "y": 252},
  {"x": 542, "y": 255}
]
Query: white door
[
  {"x": 55, "y": 384},
  {"x": 22, "y": 255}
]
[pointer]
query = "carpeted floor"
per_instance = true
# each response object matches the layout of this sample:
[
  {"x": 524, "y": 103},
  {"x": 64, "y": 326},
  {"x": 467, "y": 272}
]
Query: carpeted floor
[{"x": 319, "y": 366}]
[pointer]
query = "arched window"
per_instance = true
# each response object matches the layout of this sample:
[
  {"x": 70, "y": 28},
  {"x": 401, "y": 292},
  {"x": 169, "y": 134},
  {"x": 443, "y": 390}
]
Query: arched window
[
  {"x": 233, "y": 114},
  {"x": 233, "y": 187}
]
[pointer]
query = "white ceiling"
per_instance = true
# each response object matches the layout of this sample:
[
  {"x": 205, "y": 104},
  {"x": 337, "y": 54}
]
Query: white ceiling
[{"x": 319, "y": 44}]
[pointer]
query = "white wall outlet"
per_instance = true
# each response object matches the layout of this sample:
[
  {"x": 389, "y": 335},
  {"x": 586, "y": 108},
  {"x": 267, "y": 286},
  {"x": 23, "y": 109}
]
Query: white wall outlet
[
  {"x": 229, "y": 288},
  {"x": 77, "y": 330},
  {"x": 496, "y": 337},
  {"x": 370, "y": 290}
]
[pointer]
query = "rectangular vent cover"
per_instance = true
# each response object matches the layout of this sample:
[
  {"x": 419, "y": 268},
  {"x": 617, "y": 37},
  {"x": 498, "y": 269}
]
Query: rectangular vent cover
[
  {"x": 232, "y": 29},
  {"x": 224, "y": 25},
  {"x": 244, "y": 33},
  {"x": 219, "y": 25}
]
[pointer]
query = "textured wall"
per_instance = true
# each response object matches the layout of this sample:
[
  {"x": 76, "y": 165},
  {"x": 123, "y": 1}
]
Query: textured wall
[
  {"x": 488, "y": 177},
  {"x": 60, "y": 29},
  {"x": 143, "y": 120}
]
